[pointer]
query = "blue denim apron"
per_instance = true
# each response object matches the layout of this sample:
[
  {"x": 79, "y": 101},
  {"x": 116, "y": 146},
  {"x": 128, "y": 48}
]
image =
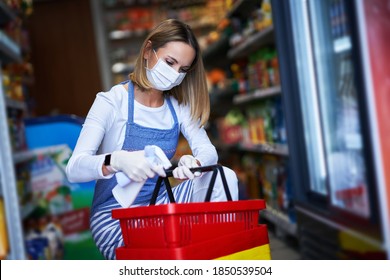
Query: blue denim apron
[{"x": 105, "y": 231}]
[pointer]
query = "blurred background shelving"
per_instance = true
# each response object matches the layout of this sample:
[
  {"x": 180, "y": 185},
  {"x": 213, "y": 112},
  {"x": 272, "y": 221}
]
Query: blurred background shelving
[
  {"x": 16, "y": 75},
  {"x": 296, "y": 88}
]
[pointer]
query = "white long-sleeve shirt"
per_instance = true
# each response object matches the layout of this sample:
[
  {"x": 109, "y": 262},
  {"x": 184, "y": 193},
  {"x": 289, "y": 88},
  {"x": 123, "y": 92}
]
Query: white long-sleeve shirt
[{"x": 104, "y": 132}]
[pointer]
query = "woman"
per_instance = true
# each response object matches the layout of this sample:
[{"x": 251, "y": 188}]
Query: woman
[{"x": 166, "y": 95}]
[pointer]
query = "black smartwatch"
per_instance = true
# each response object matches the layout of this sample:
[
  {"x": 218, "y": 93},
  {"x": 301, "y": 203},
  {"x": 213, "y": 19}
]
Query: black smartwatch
[
  {"x": 107, "y": 163},
  {"x": 107, "y": 160}
]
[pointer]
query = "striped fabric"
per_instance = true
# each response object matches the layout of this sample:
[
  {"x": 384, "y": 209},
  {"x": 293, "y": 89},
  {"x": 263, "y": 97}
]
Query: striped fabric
[{"x": 107, "y": 232}]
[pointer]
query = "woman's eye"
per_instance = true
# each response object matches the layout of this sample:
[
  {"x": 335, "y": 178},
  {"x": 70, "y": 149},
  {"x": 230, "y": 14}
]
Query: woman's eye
[{"x": 170, "y": 63}]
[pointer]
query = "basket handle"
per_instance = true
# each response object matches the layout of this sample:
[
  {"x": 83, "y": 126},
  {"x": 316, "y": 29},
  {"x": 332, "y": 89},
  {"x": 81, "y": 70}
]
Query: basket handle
[{"x": 215, "y": 168}]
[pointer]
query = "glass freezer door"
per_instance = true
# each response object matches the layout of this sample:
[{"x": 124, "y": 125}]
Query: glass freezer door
[{"x": 330, "y": 105}]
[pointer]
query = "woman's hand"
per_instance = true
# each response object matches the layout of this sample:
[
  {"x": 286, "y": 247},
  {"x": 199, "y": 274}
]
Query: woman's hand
[
  {"x": 183, "y": 172},
  {"x": 135, "y": 165}
]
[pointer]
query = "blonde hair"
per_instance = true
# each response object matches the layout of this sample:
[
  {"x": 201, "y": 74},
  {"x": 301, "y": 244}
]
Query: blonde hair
[{"x": 193, "y": 90}]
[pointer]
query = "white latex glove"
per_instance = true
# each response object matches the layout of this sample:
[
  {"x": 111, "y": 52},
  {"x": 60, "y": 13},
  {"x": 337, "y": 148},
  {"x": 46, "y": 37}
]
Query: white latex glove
[
  {"x": 135, "y": 165},
  {"x": 182, "y": 171}
]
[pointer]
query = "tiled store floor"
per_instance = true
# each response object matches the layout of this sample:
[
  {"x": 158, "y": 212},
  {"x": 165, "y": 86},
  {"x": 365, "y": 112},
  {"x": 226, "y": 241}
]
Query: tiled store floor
[{"x": 283, "y": 248}]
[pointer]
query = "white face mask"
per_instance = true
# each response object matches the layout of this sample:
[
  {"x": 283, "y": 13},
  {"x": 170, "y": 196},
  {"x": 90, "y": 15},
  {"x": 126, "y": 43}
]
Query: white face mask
[{"x": 162, "y": 76}]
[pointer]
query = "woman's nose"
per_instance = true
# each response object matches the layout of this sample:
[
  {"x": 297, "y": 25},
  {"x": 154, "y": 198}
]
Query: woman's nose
[{"x": 176, "y": 68}]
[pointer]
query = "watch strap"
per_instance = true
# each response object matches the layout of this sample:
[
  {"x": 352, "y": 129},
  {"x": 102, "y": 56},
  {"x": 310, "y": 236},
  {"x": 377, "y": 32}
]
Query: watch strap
[
  {"x": 107, "y": 164},
  {"x": 107, "y": 160}
]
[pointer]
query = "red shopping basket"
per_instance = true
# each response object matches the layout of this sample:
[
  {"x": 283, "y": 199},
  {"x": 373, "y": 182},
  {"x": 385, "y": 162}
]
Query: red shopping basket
[
  {"x": 177, "y": 225},
  {"x": 251, "y": 244}
]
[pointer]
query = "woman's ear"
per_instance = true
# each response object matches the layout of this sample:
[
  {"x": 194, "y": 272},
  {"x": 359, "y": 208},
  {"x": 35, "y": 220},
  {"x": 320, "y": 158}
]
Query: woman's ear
[{"x": 147, "y": 49}]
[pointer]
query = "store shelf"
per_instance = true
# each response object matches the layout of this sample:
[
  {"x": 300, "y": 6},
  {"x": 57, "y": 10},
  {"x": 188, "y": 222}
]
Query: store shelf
[
  {"x": 121, "y": 6},
  {"x": 202, "y": 25},
  {"x": 122, "y": 68},
  {"x": 222, "y": 93},
  {"x": 9, "y": 50},
  {"x": 275, "y": 149},
  {"x": 215, "y": 53},
  {"x": 256, "y": 95},
  {"x": 179, "y": 4},
  {"x": 15, "y": 104},
  {"x": 242, "y": 8},
  {"x": 117, "y": 35},
  {"x": 221, "y": 103},
  {"x": 6, "y": 14},
  {"x": 262, "y": 119},
  {"x": 23, "y": 156},
  {"x": 173, "y": 4},
  {"x": 8, "y": 185},
  {"x": 252, "y": 43},
  {"x": 280, "y": 220}
]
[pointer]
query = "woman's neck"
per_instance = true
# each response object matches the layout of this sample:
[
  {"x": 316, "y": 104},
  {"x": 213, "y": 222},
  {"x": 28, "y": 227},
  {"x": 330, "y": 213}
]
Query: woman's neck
[{"x": 150, "y": 98}]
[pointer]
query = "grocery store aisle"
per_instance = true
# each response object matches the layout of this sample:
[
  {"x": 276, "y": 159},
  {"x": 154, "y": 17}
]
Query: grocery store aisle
[{"x": 283, "y": 248}]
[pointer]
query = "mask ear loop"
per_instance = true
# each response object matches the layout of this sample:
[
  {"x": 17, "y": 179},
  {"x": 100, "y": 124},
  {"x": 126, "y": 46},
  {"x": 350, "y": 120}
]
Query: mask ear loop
[
  {"x": 155, "y": 53},
  {"x": 147, "y": 65}
]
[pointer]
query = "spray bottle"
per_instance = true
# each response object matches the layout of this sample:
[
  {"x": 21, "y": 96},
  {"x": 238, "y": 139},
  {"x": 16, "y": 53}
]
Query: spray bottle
[{"x": 127, "y": 190}]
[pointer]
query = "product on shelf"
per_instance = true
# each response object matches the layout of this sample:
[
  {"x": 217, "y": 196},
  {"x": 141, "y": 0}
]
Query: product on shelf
[
  {"x": 237, "y": 36},
  {"x": 14, "y": 77},
  {"x": 263, "y": 69},
  {"x": 4, "y": 245},
  {"x": 256, "y": 146},
  {"x": 15, "y": 29},
  {"x": 263, "y": 18},
  {"x": 128, "y": 22},
  {"x": 16, "y": 129},
  {"x": 44, "y": 238},
  {"x": 252, "y": 179},
  {"x": 245, "y": 27},
  {"x": 16, "y": 70},
  {"x": 239, "y": 72},
  {"x": 216, "y": 76},
  {"x": 230, "y": 127},
  {"x": 43, "y": 189},
  {"x": 23, "y": 7},
  {"x": 262, "y": 124},
  {"x": 217, "y": 80},
  {"x": 213, "y": 14},
  {"x": 256, "y": 130},
  {"x": 260, "y": 71},
  {"x": 267, "y": 177},
  {"x": 54, "y": 212},
  {"x": 137, "y": 20}
]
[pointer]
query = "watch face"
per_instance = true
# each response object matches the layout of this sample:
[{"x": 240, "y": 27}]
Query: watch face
[{"x": 107, "y": 160}]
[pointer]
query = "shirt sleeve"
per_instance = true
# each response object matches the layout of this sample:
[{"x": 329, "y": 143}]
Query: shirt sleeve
[
  {"x": 85, "y": 165},
  {"x": 198, "y": 140}
]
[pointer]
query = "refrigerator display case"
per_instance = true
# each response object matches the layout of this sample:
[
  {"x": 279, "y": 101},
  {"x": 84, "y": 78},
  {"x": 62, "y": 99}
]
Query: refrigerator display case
[{"x": 333, "y": 138}]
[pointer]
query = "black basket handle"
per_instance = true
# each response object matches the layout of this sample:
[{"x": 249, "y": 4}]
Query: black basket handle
[{"x": 215, "y": 168}]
